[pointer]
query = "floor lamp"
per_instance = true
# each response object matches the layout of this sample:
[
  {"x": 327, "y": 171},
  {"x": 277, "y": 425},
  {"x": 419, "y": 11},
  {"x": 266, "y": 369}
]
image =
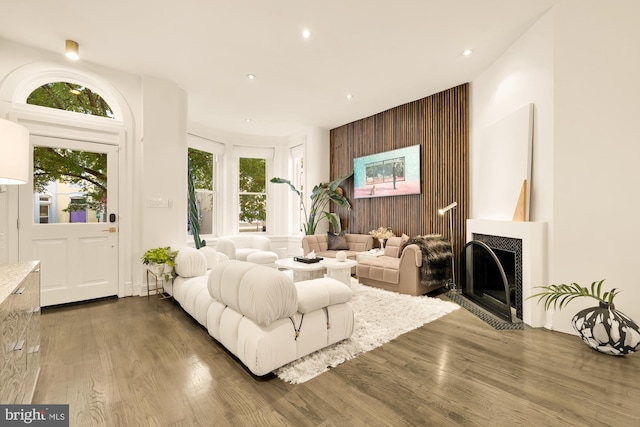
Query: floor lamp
[{"x": 449, "y": 208}]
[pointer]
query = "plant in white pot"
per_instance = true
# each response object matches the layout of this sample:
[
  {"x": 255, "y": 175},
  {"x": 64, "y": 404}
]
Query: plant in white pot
[
  {"x": 162, "y": 261},
  {"x": 603, "y": 327}
]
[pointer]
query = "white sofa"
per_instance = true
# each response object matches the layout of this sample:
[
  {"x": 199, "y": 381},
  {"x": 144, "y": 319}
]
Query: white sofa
[{"x": 257, "y": 312}]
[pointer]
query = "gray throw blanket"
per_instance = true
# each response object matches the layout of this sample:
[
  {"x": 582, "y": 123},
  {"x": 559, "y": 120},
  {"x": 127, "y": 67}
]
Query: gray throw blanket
[{"x": 436, "y": 258}]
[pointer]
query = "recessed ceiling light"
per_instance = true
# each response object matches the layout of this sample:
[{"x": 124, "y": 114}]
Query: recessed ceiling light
[
  {"x": 467, "y": 52},
  {"x": 349, "y": 96},
  {"x": 248, "y": 120},
  {"x": 251, "y": 76},
  {"x": 306, "y": 33}
]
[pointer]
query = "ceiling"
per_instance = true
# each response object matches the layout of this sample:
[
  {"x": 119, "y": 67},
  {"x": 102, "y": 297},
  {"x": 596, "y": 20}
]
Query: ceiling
[{"x": 384, "y": 53}]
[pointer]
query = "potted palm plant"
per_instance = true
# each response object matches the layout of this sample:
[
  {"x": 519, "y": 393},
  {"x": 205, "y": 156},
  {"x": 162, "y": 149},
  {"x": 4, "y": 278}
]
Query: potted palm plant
[
  {"x": 603, "y": 327},
  {"x": 321, "y": 195},
  {"x": 162, "y": 260}
]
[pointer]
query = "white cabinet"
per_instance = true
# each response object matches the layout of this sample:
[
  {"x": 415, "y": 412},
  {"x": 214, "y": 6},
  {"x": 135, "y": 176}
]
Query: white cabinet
[{"x": 19, "y": 331}]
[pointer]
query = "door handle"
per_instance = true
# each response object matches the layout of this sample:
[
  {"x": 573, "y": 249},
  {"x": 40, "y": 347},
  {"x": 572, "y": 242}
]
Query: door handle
[{"x": 110, "y": 229}]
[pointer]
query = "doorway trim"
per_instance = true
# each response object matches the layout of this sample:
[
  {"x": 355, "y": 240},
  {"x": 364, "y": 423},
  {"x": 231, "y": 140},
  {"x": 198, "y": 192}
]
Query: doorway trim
[{"x": 48, "y": 122}]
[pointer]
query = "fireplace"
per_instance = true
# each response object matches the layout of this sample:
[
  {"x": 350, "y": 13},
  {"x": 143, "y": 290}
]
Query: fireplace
[
  {"x": 492, "y": 275},
  {"x": 520, "y": 251}
]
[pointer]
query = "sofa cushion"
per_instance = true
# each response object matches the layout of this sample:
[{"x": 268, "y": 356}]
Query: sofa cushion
[
  {"x": 190, "y": 262},
  {"x": 260, "y": 293},
  {"x": 211, "y": 256},
  {"x": 318, "y": 293},
  {"x": 393, "y": 246},
  {"x": 383, "y": 268},
  {"x": 337, "y": 242}
]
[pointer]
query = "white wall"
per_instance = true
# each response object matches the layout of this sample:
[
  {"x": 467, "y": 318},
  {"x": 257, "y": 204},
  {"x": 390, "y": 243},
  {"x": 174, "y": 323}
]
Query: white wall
[
  {"x": 164, "y": 161},
  {"x": 596, "y": 149},
  {"x": 153, "y": 160},
  {"x": 579, "y": 65},
  {"x": 522, "y": 75}
]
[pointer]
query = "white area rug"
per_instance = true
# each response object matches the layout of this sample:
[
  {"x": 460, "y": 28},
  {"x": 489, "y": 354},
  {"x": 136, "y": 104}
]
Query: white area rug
[{"x": 380, "y": 316}]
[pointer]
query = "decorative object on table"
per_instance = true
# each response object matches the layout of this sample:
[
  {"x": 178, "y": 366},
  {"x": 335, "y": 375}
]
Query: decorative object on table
[
  {"x": 341, "y": 256},
  {"x": 603, "y": 328},
  {"x": 162, "y": 260},
  {"x": 382, "y": 234},
  {"x": 321, "y": 195},
  {"x": 311, "y": 255},
  {"x": 452, "y": 284},
  {"x": 308, "y": 260}
]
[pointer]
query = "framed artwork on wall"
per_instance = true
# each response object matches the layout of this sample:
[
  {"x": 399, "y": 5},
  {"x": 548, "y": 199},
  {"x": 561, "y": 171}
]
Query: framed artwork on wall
[{"x": 389, "y": 173}]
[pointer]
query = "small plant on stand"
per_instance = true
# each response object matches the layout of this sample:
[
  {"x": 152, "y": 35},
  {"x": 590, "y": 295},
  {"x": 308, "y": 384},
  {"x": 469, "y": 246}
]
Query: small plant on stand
[{"x": 162, "y": 259}]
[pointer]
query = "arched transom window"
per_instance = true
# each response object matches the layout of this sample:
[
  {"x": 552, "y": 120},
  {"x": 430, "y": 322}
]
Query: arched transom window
[{"x": 70, "y": 97}]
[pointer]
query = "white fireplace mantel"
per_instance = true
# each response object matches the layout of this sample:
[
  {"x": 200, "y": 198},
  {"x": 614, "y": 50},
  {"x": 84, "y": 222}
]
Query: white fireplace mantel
[{"x": 534, "y": 259}]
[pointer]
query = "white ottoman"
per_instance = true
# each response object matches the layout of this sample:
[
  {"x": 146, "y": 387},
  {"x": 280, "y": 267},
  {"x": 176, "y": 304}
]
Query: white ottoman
[{"x": 266, "y": 258}]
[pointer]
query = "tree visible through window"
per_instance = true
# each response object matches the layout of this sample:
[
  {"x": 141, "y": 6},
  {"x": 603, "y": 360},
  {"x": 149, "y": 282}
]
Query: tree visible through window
[
  {"x": 70, "y": 97},
  {"x": 201, "y": 164},
  {"x": 253, "y": 194},
  {"x": 76, "y": 179}
]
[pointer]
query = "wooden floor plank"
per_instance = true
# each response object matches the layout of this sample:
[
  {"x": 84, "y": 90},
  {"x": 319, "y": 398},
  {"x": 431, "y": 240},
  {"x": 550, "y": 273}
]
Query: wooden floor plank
[{"x": 144, "y": 362}]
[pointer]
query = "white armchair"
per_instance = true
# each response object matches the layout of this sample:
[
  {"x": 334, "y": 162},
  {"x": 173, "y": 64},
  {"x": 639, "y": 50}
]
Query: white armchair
[{"x": 251, "y": 248}]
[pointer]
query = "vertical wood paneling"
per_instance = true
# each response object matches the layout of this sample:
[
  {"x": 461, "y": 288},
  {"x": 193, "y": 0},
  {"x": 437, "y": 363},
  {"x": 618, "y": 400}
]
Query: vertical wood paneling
[{"x": 440, "y": 124}]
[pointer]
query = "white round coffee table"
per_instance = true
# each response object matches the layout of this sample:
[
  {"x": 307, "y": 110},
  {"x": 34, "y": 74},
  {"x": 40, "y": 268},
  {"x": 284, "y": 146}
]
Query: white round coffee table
[
  {"x": 339, "y": 270},
  {"x": 301, "y": 270}
]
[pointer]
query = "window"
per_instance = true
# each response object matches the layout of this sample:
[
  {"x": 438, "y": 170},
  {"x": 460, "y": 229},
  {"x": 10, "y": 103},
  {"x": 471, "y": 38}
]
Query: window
[
  {"x": 44, "y": 205},
  {"x": 69, "y": 185},
  {"x": 252, "y": 194},
  {"x": 70, "y": 97},
  {"x": 201, "y": 165},
  {"x": 297, "y": 172}
]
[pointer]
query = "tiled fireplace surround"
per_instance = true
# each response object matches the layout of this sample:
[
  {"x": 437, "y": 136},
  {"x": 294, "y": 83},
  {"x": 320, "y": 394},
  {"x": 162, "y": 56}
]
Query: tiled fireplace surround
[{"x": 534, "y": 271}]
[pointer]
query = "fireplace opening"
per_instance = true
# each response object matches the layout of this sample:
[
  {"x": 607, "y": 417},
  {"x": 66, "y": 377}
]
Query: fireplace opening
[{"x": 489, "y": 278}]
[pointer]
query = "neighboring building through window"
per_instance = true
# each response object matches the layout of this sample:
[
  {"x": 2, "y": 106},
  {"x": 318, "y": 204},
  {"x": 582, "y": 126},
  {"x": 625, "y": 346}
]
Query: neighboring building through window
[
  {"x": 69, "y": 185},
  {"x": 252, "y": 193}
]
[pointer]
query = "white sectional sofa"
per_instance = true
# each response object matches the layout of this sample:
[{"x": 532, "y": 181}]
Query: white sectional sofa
[{"x": 257, "y": 312}]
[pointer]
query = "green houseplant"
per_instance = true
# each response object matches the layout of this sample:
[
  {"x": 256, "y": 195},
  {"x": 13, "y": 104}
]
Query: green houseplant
[
  {"x": 321, "y": 195},
  {"x": 159, "y": 258},
  {"x": 603, "y": 327}
]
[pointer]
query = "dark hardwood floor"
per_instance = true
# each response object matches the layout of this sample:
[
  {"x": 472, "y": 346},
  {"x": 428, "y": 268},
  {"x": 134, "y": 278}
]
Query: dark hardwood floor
[{"x": 139, "y": 362}]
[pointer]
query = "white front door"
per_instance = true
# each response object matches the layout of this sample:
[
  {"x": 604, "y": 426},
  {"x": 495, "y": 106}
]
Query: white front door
[{"x": 69, "y": 219}]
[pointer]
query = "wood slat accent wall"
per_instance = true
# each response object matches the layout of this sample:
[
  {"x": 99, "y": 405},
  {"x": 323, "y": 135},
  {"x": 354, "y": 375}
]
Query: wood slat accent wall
[{"x": 440, "y": 124}]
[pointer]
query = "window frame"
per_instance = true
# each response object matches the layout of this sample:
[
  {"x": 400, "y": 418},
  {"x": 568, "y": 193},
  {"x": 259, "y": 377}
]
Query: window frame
[
  {"x": 254, "y": 153},
  {"x": 215, "y": 148}
]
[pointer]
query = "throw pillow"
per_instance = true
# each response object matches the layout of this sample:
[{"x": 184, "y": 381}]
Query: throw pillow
[{"x": 337, "y": 242}]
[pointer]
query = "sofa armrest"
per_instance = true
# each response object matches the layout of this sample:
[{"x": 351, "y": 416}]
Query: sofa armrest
[{"x": 411, "y": 255}]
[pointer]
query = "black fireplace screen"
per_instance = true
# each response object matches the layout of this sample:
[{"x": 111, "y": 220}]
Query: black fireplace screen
[{"x": 488, "y": 278}]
